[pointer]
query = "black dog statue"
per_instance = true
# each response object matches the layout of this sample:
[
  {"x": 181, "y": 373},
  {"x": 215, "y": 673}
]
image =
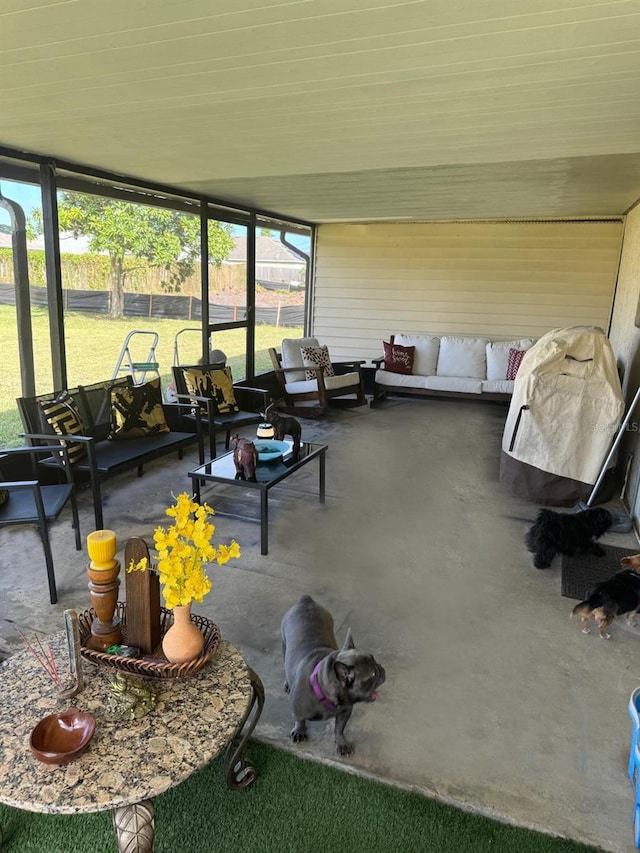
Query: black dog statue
[
  {"x": 567, "y": 533},
  {"x": 283, "y": 425}
]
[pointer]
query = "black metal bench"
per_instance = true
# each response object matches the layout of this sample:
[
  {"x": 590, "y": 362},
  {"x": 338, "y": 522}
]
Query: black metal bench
[{"x": 105, "y": 458}]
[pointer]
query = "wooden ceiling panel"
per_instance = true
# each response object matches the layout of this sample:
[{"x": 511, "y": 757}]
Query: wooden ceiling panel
[{"x": 386, "y": 109}]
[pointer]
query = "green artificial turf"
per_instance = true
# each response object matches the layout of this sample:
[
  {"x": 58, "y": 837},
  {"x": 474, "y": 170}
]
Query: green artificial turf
[{"x": 294, "y": 806}]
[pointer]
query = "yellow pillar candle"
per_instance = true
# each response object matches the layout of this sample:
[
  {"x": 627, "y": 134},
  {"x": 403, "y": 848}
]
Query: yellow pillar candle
[
  {"x": 102, "y": 547},
  {"x": 103, "y": 571}
]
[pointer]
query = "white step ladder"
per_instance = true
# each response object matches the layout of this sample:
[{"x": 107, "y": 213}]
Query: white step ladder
[{"x": 138, "y": 369}]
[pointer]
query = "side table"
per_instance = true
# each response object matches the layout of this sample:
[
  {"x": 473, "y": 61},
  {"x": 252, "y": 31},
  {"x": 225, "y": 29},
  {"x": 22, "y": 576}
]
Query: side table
[{"x": 127, "y": 763}]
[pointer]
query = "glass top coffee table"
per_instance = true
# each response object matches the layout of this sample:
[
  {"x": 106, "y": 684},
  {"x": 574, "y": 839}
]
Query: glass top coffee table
[{"x": 222, "y": 469}]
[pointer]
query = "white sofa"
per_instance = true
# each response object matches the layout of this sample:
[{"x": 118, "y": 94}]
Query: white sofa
[{"x": 451, "y": 365}]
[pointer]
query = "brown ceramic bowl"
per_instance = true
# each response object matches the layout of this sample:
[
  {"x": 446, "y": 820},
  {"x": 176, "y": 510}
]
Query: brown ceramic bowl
[{"x": 60, "y": 738}]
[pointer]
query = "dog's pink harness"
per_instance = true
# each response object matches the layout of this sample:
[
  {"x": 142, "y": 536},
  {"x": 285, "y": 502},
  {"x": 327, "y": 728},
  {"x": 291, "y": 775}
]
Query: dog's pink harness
[{"x": 315, "y": 686}]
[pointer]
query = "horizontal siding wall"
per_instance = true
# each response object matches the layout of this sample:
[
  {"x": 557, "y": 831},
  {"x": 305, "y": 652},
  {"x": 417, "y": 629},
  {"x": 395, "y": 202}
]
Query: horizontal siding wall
[{"x": 503, "y": 280}]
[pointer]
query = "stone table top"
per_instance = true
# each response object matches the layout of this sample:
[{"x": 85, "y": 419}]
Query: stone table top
[{"x": 126, "y": 761}]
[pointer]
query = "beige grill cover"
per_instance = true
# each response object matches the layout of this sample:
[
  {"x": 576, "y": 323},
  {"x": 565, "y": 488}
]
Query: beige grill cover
[{"x": 570, "y": 384}]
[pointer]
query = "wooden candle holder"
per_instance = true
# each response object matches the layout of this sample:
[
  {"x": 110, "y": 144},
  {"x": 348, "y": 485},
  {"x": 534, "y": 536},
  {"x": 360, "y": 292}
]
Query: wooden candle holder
[
  {"x": 103, "y": 571},
  {"x": 143, "y": 599}
]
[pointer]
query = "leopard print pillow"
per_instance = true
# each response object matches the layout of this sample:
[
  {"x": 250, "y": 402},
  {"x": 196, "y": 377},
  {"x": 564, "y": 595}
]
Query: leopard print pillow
[{"x": 316, "y": 357}]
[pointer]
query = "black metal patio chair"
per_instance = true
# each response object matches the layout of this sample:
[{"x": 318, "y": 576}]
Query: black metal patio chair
[
  {"x": 29, "y": 501},
  {"x": 225, "y": 406}
]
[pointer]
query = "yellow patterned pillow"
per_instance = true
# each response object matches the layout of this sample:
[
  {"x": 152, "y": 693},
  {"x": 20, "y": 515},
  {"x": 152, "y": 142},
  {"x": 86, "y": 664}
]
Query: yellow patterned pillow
[
  {"x": 137, "y": 411},
  {"x": 62, "y": 417},
  {"x": 216, "y": 385}
]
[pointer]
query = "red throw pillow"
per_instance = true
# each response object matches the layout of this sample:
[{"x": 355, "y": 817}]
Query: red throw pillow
[
  {"x": 514, "y": 361},
  {"x": 398, "y": 359}
]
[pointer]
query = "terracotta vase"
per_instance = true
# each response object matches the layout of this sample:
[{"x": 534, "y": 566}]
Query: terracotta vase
[{"x": 183, "y": 641}]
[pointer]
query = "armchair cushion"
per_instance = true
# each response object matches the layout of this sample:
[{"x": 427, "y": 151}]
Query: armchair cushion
[
  {"x": 61, "y": 417},
  {"x": 331, "y": 383},
  {"x": 317, "y": 357},
  {"x": 291, "y": 349},
  {"x": 213, "y": 384},
  {"x": 137, "y": 411}
]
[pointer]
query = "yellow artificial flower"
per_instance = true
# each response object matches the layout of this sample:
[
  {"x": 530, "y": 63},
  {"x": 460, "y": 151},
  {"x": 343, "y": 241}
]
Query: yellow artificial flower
[{"x": 183, "y": 550}]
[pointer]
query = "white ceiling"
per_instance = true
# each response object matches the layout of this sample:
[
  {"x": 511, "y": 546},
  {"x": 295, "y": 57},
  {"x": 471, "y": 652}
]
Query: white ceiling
[{"x": 338, "y": 110}]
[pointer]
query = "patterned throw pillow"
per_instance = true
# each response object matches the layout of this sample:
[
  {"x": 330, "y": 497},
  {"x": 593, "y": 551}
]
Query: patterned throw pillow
[
  {"x": 317, "y": 357},
  {"x": 61, "y": 416},
  {"x": 216, "y": 385},
  {"x": 137, "y": 411},
  {"x": 96, "y": 404},
  {"x": 398, "y": 359},
  {"x": 514, "y": 361}
]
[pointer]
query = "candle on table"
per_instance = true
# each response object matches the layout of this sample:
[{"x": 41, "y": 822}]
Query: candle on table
[{"x": 102, "y": 546}]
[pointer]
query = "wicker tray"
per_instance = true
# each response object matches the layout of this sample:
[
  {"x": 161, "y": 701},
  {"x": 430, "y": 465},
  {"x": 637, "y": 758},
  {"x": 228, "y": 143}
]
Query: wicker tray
[{"x": 148, "y": 668}]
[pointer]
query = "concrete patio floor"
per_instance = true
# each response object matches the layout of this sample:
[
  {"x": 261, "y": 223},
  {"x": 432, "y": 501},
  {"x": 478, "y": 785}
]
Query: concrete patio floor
[{"x": 494, "y": 701}]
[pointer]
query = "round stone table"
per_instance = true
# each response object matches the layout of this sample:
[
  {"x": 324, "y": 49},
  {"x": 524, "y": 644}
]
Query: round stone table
[{"x": 128, "y": 762}]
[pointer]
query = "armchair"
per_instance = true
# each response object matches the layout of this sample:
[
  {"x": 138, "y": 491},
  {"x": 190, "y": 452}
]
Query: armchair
[
  {"x": 222, "y": 404},
  {"x": 29, "y": 502},
  {"x": 309, "y": 380}
]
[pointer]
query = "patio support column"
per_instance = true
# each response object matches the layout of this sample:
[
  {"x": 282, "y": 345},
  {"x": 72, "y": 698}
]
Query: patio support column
[
  {"x": 23, "y": 298},
  {"x": 250, "y": 360},
  {"x": 204, "y": 278},
  {"x": 54, "y": 275}
]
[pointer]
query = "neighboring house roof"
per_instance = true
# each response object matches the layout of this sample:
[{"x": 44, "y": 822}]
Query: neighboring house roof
[
  {"x": 267, "y": 249},
  {"x": 6, "y": 243},
  {"x": 68, "y": 244}
]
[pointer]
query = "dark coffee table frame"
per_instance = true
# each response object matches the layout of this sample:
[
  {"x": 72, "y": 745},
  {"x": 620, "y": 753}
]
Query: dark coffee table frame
[{"x": 269, "y": 474}]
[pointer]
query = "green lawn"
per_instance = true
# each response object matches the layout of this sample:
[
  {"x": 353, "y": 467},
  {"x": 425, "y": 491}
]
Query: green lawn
[{"x": 93, "y": 344}]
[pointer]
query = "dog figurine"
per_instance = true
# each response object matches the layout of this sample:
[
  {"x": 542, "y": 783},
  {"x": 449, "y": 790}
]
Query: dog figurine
[
  {"x": 245, "y": 457},
  {"x": 567, "y": 533},
  {"x": 283, "y": 425},
  {"x": 613, "y": 597},
  {"x": 323, "y": 681}
]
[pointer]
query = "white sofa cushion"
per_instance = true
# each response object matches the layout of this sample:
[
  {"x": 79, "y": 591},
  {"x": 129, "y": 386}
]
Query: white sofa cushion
[
  {"x": 425, "y": 358},
  {"x": 463, "y": 357},
  {"x": 461, "y": 384},
  {"x": 498, "y": 356},
  {"x": 291, "y": 353},
  {"x": 429, "y": 383},
  {"x": 400, "y": 380},
  {"x": 498, "y": 386}
]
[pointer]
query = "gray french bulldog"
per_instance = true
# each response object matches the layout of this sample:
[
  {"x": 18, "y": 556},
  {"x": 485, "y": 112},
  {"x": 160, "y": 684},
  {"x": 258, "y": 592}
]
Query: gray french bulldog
[{"x": 323, "y": 681}]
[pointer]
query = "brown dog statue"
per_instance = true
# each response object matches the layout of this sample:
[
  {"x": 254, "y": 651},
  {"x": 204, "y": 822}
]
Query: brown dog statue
[
  {"x": 245, "y": 457},
  {"x": 283, "y": 425}
]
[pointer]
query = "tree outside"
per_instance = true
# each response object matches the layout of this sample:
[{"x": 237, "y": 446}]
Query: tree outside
[{"x": 164, "y": 238}]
